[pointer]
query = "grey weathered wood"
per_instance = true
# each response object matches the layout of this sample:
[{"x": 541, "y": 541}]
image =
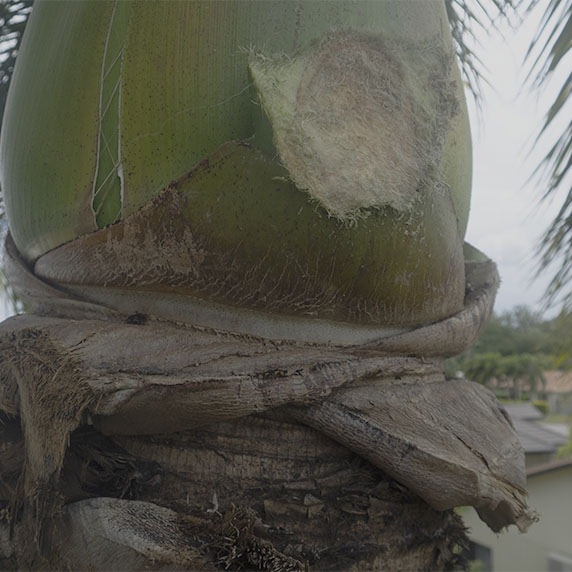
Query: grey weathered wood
[{"x": 386, "y": 400}]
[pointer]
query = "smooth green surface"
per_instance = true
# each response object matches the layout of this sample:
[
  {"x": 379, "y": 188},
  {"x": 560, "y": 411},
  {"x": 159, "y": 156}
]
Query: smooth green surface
[
  {"x": 243, "y": 206},
  {"x": 107, "y": 190},
  {"x": 48, "y": 147},
  {"x": 236, "y": 231},
  {"x": 457, "y": 164},
  {"x": 473, "y": 254},
  {"x": 175, "y": 87},
  {"x": 191, "y": 92}
]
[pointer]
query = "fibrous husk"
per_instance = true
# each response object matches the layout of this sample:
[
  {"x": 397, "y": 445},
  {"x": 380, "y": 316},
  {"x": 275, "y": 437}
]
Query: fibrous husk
[
  {"x": 359, "y": 121},
  {"x": 48, "y": 388},
  {"x": 447, "y": 440},
  {"x": 117, "y": 534},
  {"x": 132, "y": 535}
]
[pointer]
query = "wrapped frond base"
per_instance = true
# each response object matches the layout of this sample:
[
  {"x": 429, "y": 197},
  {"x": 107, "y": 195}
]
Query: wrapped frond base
[{"x": 299, "y": 435}]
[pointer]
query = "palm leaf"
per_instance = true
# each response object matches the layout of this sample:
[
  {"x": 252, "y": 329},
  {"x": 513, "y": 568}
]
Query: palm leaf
[
  {"x": 548, "y": 54},
  {"x": 465, "y": 17},
  {"x": 13, "y": 18}
]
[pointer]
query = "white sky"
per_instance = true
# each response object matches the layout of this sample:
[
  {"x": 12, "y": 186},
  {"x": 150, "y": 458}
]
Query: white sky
[
  {"x": 5, "y": 309},
  {"x": 506, "y": 218}
]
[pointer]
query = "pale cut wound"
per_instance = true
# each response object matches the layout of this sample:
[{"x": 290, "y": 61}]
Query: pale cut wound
[{"x": 359, "y": 121}]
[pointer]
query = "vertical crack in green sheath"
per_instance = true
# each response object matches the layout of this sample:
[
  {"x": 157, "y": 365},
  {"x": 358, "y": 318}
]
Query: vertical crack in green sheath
[{"x": 107, "y": 191}]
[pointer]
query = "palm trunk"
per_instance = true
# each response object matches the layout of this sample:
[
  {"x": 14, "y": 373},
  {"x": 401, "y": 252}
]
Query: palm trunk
[
  {"x": 150, "y": 444},
  {"x": 239, "y": 312},
  {"x": 255, "y": 494}
]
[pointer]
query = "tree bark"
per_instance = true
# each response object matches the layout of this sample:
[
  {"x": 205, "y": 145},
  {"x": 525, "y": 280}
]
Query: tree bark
[{"x": 132, "y": 442}]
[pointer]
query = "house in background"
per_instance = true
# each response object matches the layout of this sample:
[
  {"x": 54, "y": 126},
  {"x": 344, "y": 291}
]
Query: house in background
[
  {"x": 558, "y": 391},
  {"x": 539, "y": 441},
  {"x": 547, "y": 546}
]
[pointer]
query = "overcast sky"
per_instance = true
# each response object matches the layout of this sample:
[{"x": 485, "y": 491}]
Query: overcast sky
[{"x": 506, "y": 218}]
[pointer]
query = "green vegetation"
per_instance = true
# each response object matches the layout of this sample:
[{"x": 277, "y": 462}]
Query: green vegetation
[
  {"x": 541, "y": 405},
  {"x": 514, "y": 352},
  {"x": 558, "y": 418},
  {"x": 13, "y": 17},
  {"x": 566, "y": 450}
]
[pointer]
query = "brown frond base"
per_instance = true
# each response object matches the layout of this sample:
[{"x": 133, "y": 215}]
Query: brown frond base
[{"x": 252, "y": 494}]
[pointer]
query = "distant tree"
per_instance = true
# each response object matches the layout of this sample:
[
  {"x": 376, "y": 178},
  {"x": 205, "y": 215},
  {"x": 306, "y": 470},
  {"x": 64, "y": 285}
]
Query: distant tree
[
  {"x": 517, "y": 372},
  {"x": 482, "y": 368},
  {"x": 524, "y": 371},
  {"x": 517, "y": 331}
]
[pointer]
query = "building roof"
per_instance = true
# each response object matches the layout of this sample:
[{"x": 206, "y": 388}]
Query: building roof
[
  {"x": 537, "y": 439},
  {"x": 549, "y": 467},
  {"x": 522, "y": 411},
  {"x": 534, "y": 437}
]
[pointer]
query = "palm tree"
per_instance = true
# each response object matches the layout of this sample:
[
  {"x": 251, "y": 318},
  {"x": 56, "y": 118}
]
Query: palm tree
[
  {"x": 525, "y": 371},
  {"x": 483, "y": 368},
  {"x": 239, "y": 231}
]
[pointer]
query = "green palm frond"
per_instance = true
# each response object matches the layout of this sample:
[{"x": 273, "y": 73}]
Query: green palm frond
[
  {"x": 549, "y": 54},
  {"x": 13, "y": 17},
  {"x": 465, "y": 18}
]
